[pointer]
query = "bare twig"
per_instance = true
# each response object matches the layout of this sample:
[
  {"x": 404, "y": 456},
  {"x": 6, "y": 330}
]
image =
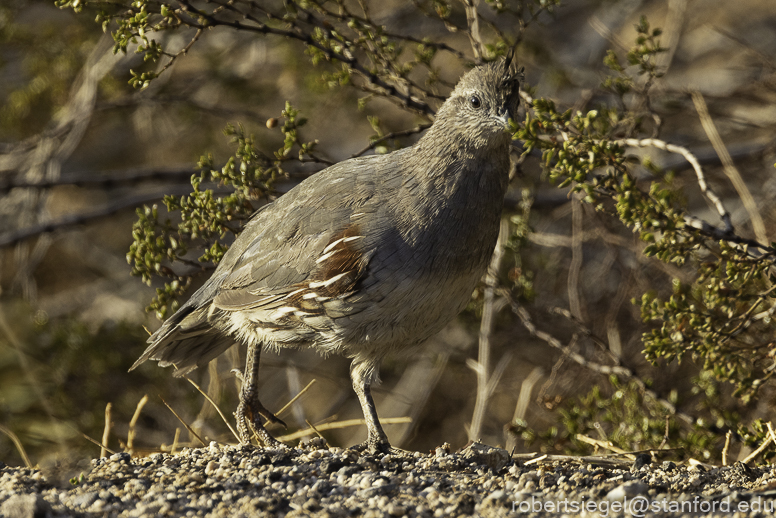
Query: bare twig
[
  {"x": 395, "y": 134},
  {"x": 175, "y": 440},
  {"x": 607, "y": 445},
  {"x": 189, "y": 428},
  {"x": 473, "y": 22},
  {"x": 12, "y": 238},
  {"x": 728, "y": 435},
  {"x": 729, "y": 168},
  {"x": 768, "y": 440},
  {"x": 387, "y": 89},
  {"x": 587, "y": 332},
  {"x": 128, "y": 177},
  {"x": 223, "y": 417},
  {"x": 482, "y": 367},
  {"x": 705, "y": 189},
  {"x": 521, "y": 407},
  {"x": 106, "y": 430},
  {"x": 577, "y": 258},
  {"x": 133, "y": 423},
  {"x": 606, "y": 370},
  {"x": 340, "y": 424},
  {"x": 535, "y": 458},
  {"x": 96, "y": 442},
  {"x": 295, "y": 398},
  {"x": 314, "y": 429}
]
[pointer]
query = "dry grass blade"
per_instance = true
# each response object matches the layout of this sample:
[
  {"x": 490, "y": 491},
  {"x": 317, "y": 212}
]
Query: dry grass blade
[
  {"x": 231, "y": 429},
  {"x": 607, "y": 445},
  {"x": 314, "y": 429},
  {"x": 96, "y": 442},
  {"x": 293, "y": 400},
  {"x": 184, "y": 423},
  {"x": 175, "y": 440},
  {"x": 106, "y": 430},
  {"x": 340, "y": 424},
  {"x": 15, "y": 439},
  {"x": 133, "y": 423}
]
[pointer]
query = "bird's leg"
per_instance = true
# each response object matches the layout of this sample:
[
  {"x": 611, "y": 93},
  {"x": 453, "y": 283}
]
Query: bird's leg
[
  {"x": 377, "y": 440},
  {"x": 250, "y": 410}
]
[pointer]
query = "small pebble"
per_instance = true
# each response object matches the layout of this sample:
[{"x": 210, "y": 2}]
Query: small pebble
[{"x": 235, "y": 480}]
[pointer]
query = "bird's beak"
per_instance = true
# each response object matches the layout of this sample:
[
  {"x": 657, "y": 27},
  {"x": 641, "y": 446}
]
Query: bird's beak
[{"x": 503, "y": 115}]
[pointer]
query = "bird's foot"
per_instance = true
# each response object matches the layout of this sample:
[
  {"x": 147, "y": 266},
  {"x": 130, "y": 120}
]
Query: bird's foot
[
  {"x": 248, "y": 416},
  {"x": 374, "y": 446}
]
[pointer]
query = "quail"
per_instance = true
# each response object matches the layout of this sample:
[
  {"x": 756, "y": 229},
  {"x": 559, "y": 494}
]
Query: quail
[{"x": 368, "y": 257}]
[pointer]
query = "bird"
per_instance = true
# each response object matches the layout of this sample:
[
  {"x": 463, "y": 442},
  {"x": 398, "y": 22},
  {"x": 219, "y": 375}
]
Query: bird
[{"x": 368, "y": 257}]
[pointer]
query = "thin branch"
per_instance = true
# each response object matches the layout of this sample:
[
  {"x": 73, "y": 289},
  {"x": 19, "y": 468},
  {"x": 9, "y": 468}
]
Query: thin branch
[
  {"x": 586, "y": 331},
  {"x": 128, "y": 177},
  {"x": 95, "y": 442},
  {"x": 11, "y": 238},
  {"x": 606, "y": 370},
  {"x": 705, "y": 189},
  {"x": 473, "y": 22},
  {"x": 395, "y": 134},
  {"x": 390, "y": 90},
  {"x": 106, "y": 430},
  {"x": 607, "y": 445},
  {"x": 729, "y": 167},
  {"x": 728, "y": 435},
  {"x": 482, "y": 367},
  {"x": 181, "y": 52},
  {"x": 133, "y": 423},
  {"x": 367, "y": 21},
  {"x": 768, "y": 440},
  {"x": 521, "y": 406},
  {"x": 577, "y": 258}
]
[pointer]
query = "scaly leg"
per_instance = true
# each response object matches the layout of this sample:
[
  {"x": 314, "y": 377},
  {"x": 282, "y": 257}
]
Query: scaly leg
[
  {"x": 250, "y": 410},
  {"x": 377, "y": 440}
]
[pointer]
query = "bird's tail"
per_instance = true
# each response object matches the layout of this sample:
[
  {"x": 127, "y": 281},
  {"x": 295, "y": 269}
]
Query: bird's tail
[{"x": 186, "y": 340}]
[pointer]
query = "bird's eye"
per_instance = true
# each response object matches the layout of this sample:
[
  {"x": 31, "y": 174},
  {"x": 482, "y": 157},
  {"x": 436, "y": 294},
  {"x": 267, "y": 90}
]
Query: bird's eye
[{"x": 475, "y": 101}]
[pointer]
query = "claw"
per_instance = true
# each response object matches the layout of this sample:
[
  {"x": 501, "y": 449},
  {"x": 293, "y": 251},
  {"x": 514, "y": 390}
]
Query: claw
[
  {"x": 374, "y": 447},
  {"x": 250, "y": 410},
  {"x": 248, "y": 417}
]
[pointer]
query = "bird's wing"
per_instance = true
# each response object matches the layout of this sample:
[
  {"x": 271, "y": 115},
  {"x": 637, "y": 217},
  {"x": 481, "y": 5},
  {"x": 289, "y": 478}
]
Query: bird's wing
[
  {"x": 306, "y": 247},
  {"x": 303, "y": 251}
]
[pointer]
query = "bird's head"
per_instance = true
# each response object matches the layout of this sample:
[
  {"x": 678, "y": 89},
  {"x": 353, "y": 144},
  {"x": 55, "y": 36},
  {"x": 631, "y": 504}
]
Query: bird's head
[{"x": 482, "y": 102}]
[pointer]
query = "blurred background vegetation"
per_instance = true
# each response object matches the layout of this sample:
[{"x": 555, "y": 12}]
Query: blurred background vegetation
[{"x": 632, "y": 304}]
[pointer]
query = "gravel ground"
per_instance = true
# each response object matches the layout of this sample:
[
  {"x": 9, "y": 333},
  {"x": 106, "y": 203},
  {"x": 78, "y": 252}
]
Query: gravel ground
[{"x": 318, "y": 481}]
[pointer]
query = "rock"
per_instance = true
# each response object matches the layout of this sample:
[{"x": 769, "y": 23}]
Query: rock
[
  {"x": 494, "y": 458},
  {"x": 24, "y": 506},
  {"x": 627, "y": 490}
]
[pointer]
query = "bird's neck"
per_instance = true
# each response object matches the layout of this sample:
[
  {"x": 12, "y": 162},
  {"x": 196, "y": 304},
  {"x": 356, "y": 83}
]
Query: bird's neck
[
  {"x": 448, "y": 187},
  {"x": 460, "y": 170}
]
